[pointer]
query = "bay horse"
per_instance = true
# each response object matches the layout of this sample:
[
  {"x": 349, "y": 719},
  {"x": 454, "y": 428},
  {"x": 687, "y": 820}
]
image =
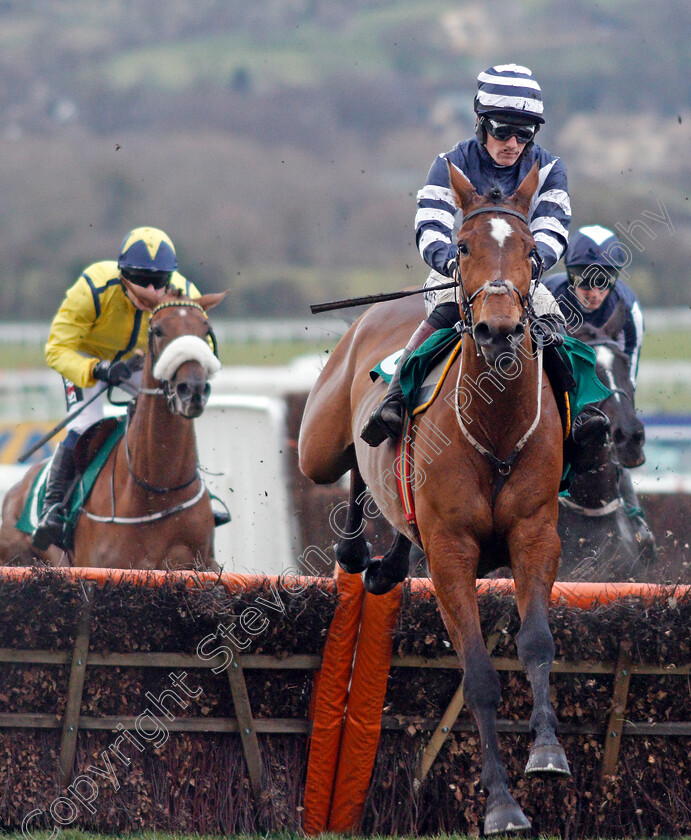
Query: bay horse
[
  {"x": 148, "y": 508},
  {"x": 602, "y": 538},
  {"x": 487, "y": 461}
]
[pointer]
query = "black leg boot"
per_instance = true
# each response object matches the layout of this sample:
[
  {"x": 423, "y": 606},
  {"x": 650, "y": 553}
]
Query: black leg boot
[
  {"x": 588, "y": 435},
  {"x": 50, "y": 525}
]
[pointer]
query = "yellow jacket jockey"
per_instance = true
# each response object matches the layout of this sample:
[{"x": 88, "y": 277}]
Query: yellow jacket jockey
[{"x": 94, "y": 334}]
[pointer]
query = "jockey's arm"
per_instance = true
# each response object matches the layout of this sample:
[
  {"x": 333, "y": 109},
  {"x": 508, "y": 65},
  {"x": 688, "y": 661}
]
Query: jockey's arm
[
  {"x": 72, "y": 322},
  {"x": 633, "y": 338},
  {"x": 551, "y": 216},
  {"x": 434, "y": 219}
]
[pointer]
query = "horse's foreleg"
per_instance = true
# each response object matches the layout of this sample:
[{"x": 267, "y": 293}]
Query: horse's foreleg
[
  {"x": 352, "y": 549},
  {"x": 457, "y": 601},
  {"x": 534, "y": 579}
]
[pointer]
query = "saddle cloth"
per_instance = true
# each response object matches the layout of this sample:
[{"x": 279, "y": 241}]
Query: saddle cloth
[
  {"x": 425, "y": 369},
  {"x": 78, "y": 494}
]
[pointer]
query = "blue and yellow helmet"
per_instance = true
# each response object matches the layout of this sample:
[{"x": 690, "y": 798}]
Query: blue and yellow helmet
[{"x": 147, "y": 249}]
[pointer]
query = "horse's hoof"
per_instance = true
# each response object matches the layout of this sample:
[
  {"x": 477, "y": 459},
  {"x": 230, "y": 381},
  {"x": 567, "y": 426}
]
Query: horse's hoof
[
  {"x": 547, "y": 760},
  {"x": 376, "y": 582},
  {"x": 504, "y": 818},
  {"x": 351, "y": 560}
]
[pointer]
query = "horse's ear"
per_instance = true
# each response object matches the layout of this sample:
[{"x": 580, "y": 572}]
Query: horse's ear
[
  {"x": 209, "y": 301},
  {"x": 144, "y": 299},
  {"x": 464, "y": 192},
  {"x": 526, "y": 190},
  {"x": 615, "y": 323}
]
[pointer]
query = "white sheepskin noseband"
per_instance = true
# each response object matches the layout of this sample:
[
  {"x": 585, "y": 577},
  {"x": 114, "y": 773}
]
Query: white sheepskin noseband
[{"x": 186, "y": 348}]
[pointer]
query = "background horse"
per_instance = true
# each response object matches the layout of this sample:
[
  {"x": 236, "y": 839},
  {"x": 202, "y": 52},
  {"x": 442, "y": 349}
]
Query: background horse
[
  {"x": 602, "y": 537},
  {"x": 487, "y": 459},
  {"x": 148, "y": 508}
]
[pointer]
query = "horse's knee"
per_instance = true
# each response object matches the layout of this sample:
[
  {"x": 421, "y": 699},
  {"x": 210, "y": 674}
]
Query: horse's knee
[
  {"x": 481, "y": 686},
  {"x": 534, "y": 641}
]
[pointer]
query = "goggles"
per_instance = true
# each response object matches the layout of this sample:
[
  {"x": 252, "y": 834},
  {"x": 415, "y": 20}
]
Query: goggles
[
  {"x": 592, "y": 277},
  {"x": 503, "y": 130},
  {"x": 157, "y": 279}
]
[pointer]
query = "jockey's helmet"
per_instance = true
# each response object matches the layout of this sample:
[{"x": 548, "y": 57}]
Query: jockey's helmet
[
  {"x": 147, "y": 257},
  {"x": 508, "y": 101},
  {"x": 594, "y": 257}
]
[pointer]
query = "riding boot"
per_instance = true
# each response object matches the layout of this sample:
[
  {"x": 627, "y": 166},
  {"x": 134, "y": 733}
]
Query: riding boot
[
  {"x": 588, "y": 435},
  {"x": 387, "y": 418},
  {"x": 50, "y": 525}
]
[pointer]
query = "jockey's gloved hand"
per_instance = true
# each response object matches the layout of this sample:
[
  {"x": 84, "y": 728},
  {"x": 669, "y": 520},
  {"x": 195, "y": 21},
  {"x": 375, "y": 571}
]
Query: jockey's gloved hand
[
  {"x": 451, "y": 267},
  {"x": 536, "y": 266},
  {"x": 112, "y": 372}
]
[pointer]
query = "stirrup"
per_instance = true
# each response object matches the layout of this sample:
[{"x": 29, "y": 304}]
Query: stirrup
[
  {"x": 221, "y": 517},
  {"x": 386, "y": 421}
]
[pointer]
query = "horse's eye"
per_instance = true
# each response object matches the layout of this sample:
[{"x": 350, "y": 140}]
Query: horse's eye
[
  {"x": 463, "y": 249},
  {"x": 156, "y": 331}
]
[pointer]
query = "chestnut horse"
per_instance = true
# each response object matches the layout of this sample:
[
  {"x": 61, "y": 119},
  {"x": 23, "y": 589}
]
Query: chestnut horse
[
  {"x": 487, "y": 456},
  {"x": 148, "y": 508}
]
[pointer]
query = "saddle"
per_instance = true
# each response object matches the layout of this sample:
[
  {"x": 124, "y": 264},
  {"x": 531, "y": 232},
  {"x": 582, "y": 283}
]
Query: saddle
[
  {"x": 91, "y": 453},
  {"x": 425, "y": 370}
]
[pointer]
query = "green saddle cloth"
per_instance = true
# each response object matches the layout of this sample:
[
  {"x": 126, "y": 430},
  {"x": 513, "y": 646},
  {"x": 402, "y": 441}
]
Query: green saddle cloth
[
  {"x": 30, "y": 515},
  {"x": 579, "y": 357}
]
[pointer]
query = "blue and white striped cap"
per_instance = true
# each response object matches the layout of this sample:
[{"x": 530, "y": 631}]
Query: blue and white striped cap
[{"x": 509, "y": 90}]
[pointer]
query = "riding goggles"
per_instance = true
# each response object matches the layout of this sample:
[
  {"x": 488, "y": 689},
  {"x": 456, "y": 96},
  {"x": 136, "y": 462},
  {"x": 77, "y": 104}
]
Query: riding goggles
[
  {"x": 157, "y": 279},
  {"x": 503, "y": 130},
  {"x": 592, "y": 277}
]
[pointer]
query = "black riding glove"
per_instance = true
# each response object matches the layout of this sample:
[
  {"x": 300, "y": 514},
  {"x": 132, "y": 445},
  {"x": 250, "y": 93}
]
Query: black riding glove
[
  {"x": 537, "y": 266},
  {"x": 451, "y": 267},
  {"x": 112, "y": 372}
]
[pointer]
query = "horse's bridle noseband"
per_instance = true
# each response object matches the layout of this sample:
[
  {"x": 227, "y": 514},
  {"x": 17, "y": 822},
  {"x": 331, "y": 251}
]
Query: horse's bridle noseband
[
  {"x": 189, "y": 304},
  {"x": 467, "y": 300}
]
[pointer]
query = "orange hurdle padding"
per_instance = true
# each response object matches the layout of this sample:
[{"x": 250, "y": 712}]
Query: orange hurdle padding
[
  {"x": 156, "y": 577},
  {"x": 331, "y": 698},
  {"x": 579, "y": 594},
  {"x": 362, "y": 728}
]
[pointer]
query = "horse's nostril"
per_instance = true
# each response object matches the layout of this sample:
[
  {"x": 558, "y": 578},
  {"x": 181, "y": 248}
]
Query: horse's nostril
[
  {"x": 519, "y": 330},
  {"x": 618, "y": 437},
  {"x": 183, "y": 389},
  {"x": 639, "y": 437},
  {"x": 482, "y": 332}
]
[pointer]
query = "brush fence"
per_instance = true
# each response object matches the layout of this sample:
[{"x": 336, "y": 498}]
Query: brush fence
[{"x": 220, "y": 704}]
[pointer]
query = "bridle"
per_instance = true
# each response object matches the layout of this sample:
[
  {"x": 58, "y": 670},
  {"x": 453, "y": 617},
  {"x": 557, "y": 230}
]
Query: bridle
[
  {"x": 504, "y": 466},
  {"x": 466, "y": 300},
  {"x": 167, "y": 391}
]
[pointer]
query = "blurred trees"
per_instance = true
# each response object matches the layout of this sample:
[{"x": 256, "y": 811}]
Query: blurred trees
[{"x": 281, "y": 144}]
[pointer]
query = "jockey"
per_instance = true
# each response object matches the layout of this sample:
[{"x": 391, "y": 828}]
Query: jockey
[
  {"x": 92, "y": 343},
  {"x": 589, "y": 292},
  {"x": 590, "y": 289},
  {"x": 508, "y": 108}
]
